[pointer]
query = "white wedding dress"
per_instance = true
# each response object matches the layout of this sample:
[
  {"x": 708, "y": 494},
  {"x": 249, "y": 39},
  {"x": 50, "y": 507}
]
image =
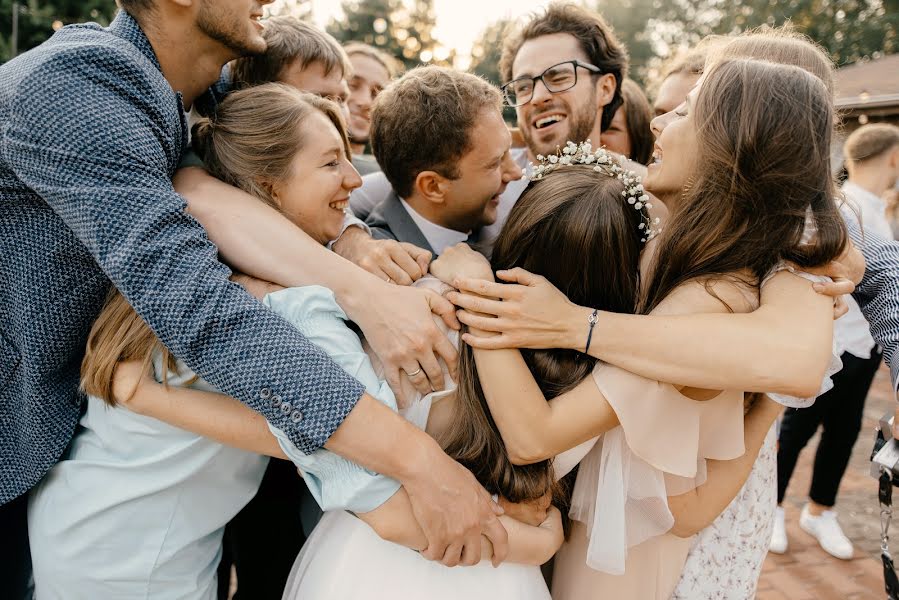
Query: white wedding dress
[{"x": 344, "y": 559}]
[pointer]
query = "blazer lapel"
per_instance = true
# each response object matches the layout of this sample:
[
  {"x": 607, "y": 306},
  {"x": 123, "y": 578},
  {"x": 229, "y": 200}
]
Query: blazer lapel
[{"x": 401, "y": 224}]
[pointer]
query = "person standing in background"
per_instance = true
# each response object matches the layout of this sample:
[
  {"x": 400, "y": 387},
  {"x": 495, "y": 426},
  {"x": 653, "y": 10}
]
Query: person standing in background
[
  {"x": 872, "y": 161},
  {"x": 629, "y": 133},
  {"x": 373, "y": 70}
]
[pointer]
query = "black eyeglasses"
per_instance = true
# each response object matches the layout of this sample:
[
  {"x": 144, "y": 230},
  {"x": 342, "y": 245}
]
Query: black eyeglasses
[{"x": 557, "y": 78}]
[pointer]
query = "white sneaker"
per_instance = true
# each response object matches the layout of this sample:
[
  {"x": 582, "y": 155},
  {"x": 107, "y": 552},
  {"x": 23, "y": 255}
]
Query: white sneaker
[
  {"x": 827, "y": 531},
  {"x": 778, "y": 543}
]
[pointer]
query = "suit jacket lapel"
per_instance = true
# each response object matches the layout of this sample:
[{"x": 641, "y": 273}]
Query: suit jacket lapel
[{"x": 401, "y": 224}]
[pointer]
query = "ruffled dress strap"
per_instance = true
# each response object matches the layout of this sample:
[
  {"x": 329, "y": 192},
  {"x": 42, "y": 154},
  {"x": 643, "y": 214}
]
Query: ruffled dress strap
[{"x": 659, "y": 449}]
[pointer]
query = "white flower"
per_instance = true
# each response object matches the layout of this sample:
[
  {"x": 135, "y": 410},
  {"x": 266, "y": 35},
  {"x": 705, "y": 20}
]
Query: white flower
[
  {"x": 565, "y": 160},
  {"x": 638, "y": 205},
  {"x": 553, "y": 159}
]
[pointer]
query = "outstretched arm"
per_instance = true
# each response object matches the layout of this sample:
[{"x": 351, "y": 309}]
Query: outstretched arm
[
  {"x": 534, "y": 429},
  {"x": 878, "y": 292},
  {"x": 782, "y": 347},
  {"x": 696, "y": 509},
  {"x": 530, "y": 545},
  {"x": 256, "y": 239},
  {"x": 209, "y": 414}
]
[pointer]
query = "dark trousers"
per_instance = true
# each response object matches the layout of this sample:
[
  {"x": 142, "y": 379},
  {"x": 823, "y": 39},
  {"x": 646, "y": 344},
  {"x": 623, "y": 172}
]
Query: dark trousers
[
  {"x": 263, "y": 540},
  {"x": 839, "y": 412},
  {"x": 15, "y": 555}
]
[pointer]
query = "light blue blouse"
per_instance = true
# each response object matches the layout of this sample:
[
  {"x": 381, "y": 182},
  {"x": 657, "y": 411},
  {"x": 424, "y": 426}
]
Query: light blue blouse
[
  {"x": 136, "y": 509},
  {"x": 335, "y": 482}
]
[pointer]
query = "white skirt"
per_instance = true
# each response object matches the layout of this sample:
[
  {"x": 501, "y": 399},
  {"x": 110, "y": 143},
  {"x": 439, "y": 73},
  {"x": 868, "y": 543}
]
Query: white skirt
[{"x": 344, "y": 559}]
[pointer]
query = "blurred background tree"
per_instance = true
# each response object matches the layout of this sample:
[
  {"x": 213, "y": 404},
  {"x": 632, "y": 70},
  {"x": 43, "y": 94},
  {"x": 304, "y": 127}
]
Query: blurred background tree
[
  {"x": 38, "y": 20},
  {"x": 404, "y": 30},
  {"x": 851, "y": 30}
]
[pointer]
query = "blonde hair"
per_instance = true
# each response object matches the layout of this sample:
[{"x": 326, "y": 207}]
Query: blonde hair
[
  {"x": 870, "y": 141},
  {"x": 390, "y": 64},
  {"x": 780, "y": 45},
  {"x": 289, "y": 40},
  {"x": 250, "y": 143}
]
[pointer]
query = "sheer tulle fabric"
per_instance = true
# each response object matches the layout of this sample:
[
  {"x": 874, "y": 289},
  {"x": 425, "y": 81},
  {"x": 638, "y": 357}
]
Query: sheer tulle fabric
[{"x": 659, "y": 449}]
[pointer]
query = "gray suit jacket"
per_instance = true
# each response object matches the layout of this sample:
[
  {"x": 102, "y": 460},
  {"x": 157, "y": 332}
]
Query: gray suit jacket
[{"x": 390, "y": 220}]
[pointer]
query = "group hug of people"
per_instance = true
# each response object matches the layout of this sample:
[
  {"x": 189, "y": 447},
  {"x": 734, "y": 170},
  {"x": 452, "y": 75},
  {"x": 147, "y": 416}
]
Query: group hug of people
[{"x": 224, "y": 350}]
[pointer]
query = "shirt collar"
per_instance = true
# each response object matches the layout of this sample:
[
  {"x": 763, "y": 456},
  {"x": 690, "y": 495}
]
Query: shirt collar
[
  {"x": 438, "y": 236},
  {"x": 127, "y": 28},
  {"x": 861, "y": 194}
]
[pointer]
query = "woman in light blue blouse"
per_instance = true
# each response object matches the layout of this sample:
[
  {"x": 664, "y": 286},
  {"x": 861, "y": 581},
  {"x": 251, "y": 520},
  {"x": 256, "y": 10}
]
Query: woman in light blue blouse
[{"x": 137, "y": 507}]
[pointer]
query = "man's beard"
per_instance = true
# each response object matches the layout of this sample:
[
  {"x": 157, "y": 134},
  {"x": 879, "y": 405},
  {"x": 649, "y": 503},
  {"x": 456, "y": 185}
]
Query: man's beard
[
  {"x": 232, "y": 36},
  {"x": 580, "y": 126}
]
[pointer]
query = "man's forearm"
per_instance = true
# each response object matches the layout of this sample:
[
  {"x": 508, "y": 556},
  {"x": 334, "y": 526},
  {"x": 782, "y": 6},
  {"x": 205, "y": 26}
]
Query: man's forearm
[
  {"x": 380, "y": 440},
  {"x": 878, "y": 292},
  {"x": 257, "y": 240}
]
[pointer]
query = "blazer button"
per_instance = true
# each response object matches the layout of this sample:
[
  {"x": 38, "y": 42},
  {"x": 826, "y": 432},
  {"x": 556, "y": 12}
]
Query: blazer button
[
  {"x": 265, "y": 393},
  {"x": 276, "y": 401},
  {"x": 285, "y": 408},
  {"x": 296, "y": 416}
]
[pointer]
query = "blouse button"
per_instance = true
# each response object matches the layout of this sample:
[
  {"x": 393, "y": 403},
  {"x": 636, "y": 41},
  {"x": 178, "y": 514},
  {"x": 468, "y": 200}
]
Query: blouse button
[
  {"x": 285, "y": 408},
  {"x": 276, "y": 401},
  {"x": 265, "y": 393},
  {"x": 296, "y": 416}
]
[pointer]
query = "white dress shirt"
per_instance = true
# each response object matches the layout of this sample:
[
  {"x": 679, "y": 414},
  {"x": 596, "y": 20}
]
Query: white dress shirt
[{"x": 439, "y": 237}]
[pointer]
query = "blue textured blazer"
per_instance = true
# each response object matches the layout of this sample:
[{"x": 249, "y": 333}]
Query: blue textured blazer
[{"x": 90, "y": 136}]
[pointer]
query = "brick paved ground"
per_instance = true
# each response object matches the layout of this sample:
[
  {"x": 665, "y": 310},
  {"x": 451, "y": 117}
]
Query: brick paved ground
[{"x": 806, "y": 572}]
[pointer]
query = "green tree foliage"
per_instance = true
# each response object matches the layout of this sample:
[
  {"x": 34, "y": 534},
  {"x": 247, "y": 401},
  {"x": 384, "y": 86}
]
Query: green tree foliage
[
  {"x": 38, "y": 20},
  {"x": 487, "y": 50},
  {"x": 403, "y": 30},
  {"x": 849, "y": 29}
]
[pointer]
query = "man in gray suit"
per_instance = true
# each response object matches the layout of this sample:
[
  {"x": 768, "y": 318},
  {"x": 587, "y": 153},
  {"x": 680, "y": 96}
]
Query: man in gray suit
[{"x": 440, "y": 139}]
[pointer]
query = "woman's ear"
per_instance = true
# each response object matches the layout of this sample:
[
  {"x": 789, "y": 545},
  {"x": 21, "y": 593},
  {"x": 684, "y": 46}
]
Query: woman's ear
[
  {"x": 431, "y": 186},
  {"x": 272, "y": 189}
]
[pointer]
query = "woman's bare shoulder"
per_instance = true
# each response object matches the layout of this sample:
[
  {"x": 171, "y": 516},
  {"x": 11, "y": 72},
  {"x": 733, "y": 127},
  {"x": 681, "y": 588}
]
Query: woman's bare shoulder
[{"x": 720, "y": 295}]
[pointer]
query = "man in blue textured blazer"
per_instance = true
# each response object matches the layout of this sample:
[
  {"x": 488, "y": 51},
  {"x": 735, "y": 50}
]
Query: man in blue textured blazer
[{"x": 93, "y": 128}]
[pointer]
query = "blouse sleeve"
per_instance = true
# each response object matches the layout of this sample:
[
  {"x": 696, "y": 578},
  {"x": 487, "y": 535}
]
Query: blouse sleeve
[
  {"x": 659, "y": 449},
  {"x": 335, "y": 482}
]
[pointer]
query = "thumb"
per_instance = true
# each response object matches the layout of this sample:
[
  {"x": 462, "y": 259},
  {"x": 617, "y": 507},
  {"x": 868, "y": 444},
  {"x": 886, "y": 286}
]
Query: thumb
[
  {"x": 443, "y": 308},
  {"x": 419, "y": 255},
  {"x": 519, "y": 275}
]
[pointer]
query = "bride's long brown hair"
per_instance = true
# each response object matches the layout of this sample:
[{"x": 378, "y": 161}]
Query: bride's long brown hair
[
  {"x": 763, "y": 180},
  {"x": 574, "y": 228}
]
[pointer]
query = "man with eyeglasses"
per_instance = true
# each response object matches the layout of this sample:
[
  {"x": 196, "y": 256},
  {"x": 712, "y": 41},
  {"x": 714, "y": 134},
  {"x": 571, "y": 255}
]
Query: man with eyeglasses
[{"x": 563, "y": 69}]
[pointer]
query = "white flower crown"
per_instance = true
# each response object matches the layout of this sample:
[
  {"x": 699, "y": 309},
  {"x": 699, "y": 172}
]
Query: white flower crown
[{"x": 603, "y": 162}]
